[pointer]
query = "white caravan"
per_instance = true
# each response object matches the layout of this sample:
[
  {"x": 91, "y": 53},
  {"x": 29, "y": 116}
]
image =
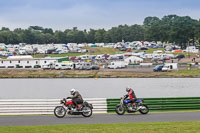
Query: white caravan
[{"x": 115, "y": 65}]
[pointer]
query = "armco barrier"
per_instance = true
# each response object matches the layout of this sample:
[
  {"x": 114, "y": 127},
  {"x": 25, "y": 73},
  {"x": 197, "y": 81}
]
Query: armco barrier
[
  {"x": 101, "y": 105},
  {"x": 43, "y": 106},
  {"x": 161, "y": 104}
]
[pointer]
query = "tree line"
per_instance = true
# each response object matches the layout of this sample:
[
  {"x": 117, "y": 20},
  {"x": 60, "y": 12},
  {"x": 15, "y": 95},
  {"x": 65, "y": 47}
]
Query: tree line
[{"x": 171, "y": 28}]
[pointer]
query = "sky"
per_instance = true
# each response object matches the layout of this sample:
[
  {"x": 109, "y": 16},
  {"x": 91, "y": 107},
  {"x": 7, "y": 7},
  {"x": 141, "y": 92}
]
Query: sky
[{"x": 86, "y": 14}]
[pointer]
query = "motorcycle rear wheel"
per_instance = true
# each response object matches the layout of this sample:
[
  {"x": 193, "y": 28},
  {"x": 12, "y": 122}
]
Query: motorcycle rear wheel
[
  {"x": 59, "y": 111},
  {"x": 88, "y": 111},
  {"x": 120, "y": 110}
]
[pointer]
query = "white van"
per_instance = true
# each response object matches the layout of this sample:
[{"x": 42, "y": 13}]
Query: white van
[
  {"x": 170, "y": 67},
  {"x": 115, "y": 65}
]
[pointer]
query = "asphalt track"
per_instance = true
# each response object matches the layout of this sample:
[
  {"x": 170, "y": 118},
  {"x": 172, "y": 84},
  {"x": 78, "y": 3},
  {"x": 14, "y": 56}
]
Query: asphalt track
[{"x": 98, "y": 119}]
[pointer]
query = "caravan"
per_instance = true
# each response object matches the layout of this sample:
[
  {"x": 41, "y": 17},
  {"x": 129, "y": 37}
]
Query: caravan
[
  {"x": 115, "y": 65},
  {"x": 170, "y": 67}
]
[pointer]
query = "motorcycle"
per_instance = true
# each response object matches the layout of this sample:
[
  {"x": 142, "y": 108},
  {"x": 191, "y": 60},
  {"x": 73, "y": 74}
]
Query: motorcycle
[
  {"x": 126, "y": 105},
  {"x": 68, "y": 107}
]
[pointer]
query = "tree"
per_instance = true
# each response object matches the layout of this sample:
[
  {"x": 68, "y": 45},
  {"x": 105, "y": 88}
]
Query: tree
[
  {"x": 149, "y": 21},
  {"x": 47, "y": 30},
  {"x": 136, "y": 33},
  {"x": 91, "y": 36},
  {"x": 152, "y": 29},
  {"x": 171, "y": 28},
  {"x": 60, "y": 37},
  {"x": 99, "y": 35}
]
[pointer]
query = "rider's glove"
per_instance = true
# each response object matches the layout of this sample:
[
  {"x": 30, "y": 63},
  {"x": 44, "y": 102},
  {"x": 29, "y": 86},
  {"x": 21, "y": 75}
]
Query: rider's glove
[{"x": 125, "y": 96}]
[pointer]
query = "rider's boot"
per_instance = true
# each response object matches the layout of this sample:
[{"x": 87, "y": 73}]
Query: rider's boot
[
  {"x": 134, "y": 106},
  {"x": 78, "y": 107}
]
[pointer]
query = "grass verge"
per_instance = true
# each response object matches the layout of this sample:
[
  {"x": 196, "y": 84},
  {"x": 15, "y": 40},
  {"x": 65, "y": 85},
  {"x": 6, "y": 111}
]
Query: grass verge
[
  {"x": 153, "y": 127},
  {"x": 91, "y": 51},
  {"x": 22, "y": 73}
]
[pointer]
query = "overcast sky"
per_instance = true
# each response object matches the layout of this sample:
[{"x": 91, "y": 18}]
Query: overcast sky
[{"x": 85, "y": 14}]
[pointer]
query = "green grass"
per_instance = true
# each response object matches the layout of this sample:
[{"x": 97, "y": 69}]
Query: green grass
[
  {"x": 150, "y": 51},
  {"x": 91, "y": 51},
  {"x": 187, "y": 55},
  {"x": 153, "y": 127},
  {"x": 58, "y": 55},
  {"x": 184, "y": 73}
]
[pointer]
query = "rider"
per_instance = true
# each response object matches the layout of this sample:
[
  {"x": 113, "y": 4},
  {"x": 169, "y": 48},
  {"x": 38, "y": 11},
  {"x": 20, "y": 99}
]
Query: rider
[
  {"x": 131, "y": 95},
  {"x": 76, "y": 97}
]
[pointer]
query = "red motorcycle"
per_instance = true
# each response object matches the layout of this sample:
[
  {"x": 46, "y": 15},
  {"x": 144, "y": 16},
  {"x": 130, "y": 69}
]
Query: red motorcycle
[{"x": 69, "y": 107}]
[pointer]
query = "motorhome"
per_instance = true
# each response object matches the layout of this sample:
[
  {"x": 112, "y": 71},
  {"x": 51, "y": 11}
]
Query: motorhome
[{"x": 115, "y": 65}]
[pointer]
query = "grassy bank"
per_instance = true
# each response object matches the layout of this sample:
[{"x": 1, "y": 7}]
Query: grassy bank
[
  {"x": 155, "y": 127},
  {"x": 12, "y": 73},
  {"x": 91, "y": 51}
]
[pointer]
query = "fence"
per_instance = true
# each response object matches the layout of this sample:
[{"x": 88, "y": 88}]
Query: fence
[
  {"x": 161, "y": 104},
  {"x": 101, "y": 105},
  {"x": 42, "y": 106}
]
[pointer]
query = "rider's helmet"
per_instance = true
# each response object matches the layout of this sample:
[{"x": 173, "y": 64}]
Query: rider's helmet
[
  {"x": 72, "y": 91},
  {"x": 128, "y": 89}
]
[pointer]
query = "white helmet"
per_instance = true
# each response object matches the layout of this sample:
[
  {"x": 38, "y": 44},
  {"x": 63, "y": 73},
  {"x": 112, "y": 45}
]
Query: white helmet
[{"x": 72, "y": 91}]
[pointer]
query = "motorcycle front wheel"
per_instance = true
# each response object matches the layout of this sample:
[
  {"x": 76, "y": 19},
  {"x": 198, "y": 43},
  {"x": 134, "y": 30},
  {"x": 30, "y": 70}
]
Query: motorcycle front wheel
[
  {"x": 144, "y": 110},
  {"x": 87, "y": 111},
  {"x": 59, "y": 111},
  {"x": 120, "y": 110}
]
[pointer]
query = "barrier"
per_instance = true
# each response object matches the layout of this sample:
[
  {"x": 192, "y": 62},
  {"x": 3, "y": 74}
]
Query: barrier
[
  {"x": 42, "y": 106},
  {"x": 101, "y": 105},
  {"x": 161, "y": 104}
]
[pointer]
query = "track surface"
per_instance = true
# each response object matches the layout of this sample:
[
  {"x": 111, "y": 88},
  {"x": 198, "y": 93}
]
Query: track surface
[{"x": 98, "y": 119}]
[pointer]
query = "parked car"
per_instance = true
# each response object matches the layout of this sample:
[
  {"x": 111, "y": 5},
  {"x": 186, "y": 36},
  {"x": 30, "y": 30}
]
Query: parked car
[
  {"x": 143, "y": 48},
  {"x": 180, "y": 56},
  {"x": 123, "y": 49},
  {"x": 158, "y": 68},
  {"x": 95, "y": 67}
]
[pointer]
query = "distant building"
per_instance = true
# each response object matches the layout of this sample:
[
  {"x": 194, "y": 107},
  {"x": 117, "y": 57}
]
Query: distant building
[{"x": 26, "y": 62}]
